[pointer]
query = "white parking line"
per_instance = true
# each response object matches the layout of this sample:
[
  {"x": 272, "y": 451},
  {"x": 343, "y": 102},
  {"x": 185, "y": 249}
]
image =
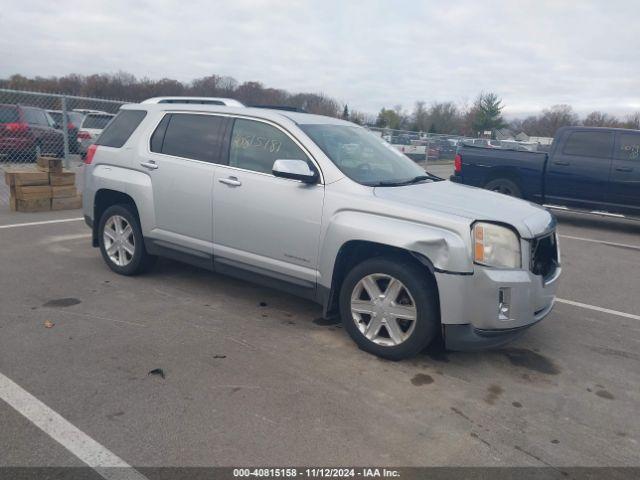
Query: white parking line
[
  {"x": 105, "y": 463},
  {"x": 44, "y": 222},
  {"x": 603, "y": 242},
  {"x": 598, "y": 309}
]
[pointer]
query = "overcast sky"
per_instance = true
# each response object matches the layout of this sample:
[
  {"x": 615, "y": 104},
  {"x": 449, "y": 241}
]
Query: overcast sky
[{"x": 369, "y": 54}]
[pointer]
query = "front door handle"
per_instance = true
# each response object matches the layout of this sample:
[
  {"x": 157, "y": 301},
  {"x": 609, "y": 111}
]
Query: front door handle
[
  {"x": 624, "y": 169},
  {"x": 561, "y": 162},
  {"x": 231, "y": 181},
  {"x": 151, "y": 165}
]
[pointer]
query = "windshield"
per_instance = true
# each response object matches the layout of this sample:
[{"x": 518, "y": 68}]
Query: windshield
[{"x": 362, "y": 156}]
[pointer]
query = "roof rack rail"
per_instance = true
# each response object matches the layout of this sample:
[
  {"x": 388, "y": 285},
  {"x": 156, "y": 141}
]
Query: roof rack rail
[
  {"x": 286, "y": 108},
  {"x": 229, "y": 102}
]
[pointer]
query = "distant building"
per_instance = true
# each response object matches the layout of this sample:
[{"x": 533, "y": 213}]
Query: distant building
[{"x": 503, "y": 134}]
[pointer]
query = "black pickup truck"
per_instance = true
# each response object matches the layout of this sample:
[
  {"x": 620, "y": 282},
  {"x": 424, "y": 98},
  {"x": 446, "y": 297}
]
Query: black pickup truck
[{"x": 596, "y": 170}]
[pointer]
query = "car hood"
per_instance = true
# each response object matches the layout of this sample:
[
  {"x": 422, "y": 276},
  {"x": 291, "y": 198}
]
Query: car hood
[{"x": 472, "y": 203}]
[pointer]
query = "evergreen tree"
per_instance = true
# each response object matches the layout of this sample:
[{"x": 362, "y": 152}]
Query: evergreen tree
[
  {"x": 345, "y": 112},
  {"x": 488, "y": 113}
]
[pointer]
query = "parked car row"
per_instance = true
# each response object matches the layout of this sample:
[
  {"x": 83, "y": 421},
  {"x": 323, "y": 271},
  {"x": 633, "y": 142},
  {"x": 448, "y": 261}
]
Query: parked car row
[
  {"x": 27, "y": 132},
  {"x": 74, "y": 122}
]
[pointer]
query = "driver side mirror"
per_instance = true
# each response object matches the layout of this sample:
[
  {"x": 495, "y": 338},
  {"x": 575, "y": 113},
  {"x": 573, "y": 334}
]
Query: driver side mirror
[{"x": 295, "y": 170}]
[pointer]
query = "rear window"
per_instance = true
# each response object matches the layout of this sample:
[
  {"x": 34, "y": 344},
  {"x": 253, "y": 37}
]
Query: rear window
[
  {"x": 96, "y": 121},
  {"x": 8, "y": 115},
  {"x": 198, "y": 137},
  {"x": 589, "y": 144},
  {"x": 121, "y": 128}
]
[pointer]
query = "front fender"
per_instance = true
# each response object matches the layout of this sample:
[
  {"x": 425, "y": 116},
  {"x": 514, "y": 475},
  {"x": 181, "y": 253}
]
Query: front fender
[{"x": 446, "y": 249}]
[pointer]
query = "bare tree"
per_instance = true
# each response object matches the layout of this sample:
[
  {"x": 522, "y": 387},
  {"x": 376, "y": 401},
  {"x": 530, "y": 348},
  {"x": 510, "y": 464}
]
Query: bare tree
[
  {"x": 600, "y": 119},
  {"x": 633, "y": 121},
  {"x": 444, "y": 118},
  {"x": 420, "y": 117}
]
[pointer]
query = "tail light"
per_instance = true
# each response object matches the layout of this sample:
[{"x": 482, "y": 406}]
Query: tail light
[
  {"x": 84, "y": 135},
  {"x": 457, "y": 164},
  {"x": 91, "y": 151},
  {"x": 16, "y": 127}
]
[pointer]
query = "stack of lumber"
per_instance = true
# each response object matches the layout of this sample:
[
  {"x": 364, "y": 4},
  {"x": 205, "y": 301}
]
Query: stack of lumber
[{"x": 48, "y": 187}]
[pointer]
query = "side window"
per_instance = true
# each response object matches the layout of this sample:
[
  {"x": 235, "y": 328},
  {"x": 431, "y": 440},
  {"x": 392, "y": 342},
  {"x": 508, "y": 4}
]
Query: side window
[
  {"x": 120, "y": 128},
  {"x": 256, "y": 146},
  {"x": 628, "y": 147},
  {"x": 194, "y": 136},
  {"x": 589, "y": 144},
  {"x": 158, "y": 135}
]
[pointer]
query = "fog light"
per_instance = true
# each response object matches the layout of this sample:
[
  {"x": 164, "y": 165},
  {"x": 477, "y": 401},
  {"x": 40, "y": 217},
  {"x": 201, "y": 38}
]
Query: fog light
[{"x": 504, "y": 304}]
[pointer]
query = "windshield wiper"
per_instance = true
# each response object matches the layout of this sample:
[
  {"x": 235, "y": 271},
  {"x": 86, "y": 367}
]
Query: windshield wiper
[{"x": 400, "y": 183}]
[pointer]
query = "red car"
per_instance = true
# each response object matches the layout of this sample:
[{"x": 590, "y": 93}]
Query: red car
[{"x": 27, "y": 132}]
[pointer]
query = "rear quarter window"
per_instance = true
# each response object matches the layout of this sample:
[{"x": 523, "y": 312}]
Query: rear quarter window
[{"x": 121, "y": 127}]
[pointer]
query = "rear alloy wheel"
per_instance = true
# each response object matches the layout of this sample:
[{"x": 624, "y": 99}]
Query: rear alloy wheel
[
  {"x": 389, "y": 307},
  {"x": 121, "y": 241},
  {"x": 504, "y": 186}
]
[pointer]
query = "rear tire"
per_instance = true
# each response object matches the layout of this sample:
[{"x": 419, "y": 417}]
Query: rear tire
[
  {"x": 504, "y": 186},
  {"x": 121, "y": 241},
  {"x": 404, "y": 289}
]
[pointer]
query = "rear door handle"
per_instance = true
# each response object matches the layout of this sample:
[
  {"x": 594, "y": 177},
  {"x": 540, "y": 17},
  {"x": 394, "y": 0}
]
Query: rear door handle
[
  {"x": 151, "y": 165},
  {"x": 560, "y": 162},
  {"x": 624, "y": 169},
  {"x": 231, "y": 181}
]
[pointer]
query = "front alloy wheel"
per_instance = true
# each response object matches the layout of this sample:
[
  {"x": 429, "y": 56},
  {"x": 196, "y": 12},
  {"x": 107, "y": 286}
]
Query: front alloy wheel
[
  {"x": 383, "y": 309},
  {"x": 389, "y": 306}
]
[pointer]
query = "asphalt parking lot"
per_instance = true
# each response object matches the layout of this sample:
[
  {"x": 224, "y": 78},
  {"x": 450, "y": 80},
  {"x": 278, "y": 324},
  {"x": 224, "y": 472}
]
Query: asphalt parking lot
[{"x": 253, "y": 376}]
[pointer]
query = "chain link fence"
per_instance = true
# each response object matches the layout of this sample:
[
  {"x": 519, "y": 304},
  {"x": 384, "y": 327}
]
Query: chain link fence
[
  {"x": 34, "y": 124},
  {"x": 420, "y": 146}
]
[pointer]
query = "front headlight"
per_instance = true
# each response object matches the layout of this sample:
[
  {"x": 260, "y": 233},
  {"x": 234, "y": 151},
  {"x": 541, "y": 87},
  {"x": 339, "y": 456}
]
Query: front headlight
[{"x": 496, "y": 246}]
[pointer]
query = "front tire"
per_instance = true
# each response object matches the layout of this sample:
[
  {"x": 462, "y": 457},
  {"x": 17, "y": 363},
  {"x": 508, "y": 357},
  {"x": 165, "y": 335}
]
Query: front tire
[
  {"x": 121, "y": 241},
  {"x": 389, "y": 307}
]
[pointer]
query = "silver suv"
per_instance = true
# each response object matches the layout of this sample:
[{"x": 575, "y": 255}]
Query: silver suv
[{"x": 322, "y": 208}]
